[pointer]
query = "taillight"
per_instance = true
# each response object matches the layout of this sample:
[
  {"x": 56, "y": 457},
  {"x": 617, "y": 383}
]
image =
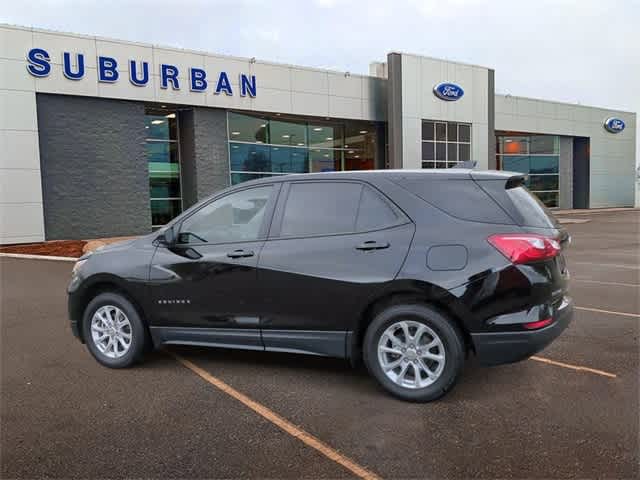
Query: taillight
[
  {"x": 538, "y": 324},
  {"x": 525, "y": 247}
]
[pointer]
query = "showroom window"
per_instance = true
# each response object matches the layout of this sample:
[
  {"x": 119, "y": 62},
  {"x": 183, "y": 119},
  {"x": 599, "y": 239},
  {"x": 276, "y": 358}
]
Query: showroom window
[
  {"x": 536, "y": 155},
  {"x": 266, "y": 145},
  {"x": 445, "y": 143},
  {"x": 163, "y": 158}
]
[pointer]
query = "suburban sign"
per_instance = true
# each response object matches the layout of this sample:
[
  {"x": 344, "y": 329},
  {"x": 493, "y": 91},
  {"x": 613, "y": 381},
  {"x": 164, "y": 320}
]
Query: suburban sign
[
  {"x": 448, "y": 91},
  {"x": 614, "y": 125},
  {"x": 108, "y": 71}
]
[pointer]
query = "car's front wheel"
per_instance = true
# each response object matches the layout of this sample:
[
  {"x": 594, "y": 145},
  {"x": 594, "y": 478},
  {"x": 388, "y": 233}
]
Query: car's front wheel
[
  {"x": 113, "y": 330},
  {"x": 414, "y": 352}
]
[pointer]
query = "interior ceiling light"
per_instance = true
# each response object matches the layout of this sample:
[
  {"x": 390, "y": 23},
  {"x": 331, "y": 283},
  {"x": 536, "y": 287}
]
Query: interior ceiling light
[
  {"x": 363, "y": 131},
  {"x": 157, "y": 122},
  {"x": 351, "y": 151},
  {"x": 329, "y": 138},
  {"x": 263, "y": 125},
  {"x": 301, "y": 144},
  {"x": 317, "y": 129},
  {"x": 170, "y": 115},
  {"x": 235, "y": 133},
  {"x": 286, "y": 136}
]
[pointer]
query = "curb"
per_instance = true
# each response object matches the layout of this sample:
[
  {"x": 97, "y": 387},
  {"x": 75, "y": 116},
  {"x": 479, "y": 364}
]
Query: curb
[{"x": 38, "y": 257}]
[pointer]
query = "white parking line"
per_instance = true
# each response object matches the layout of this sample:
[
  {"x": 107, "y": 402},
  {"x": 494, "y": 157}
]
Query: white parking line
[
  {"x": 610, "y": 312},
  {"x": 38, "y": 257},
  {"x": 617, "y": 284},
  {"x": 612, "y": 265}
]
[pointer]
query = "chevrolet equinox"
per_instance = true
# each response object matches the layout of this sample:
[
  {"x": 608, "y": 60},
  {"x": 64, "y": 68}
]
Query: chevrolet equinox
[{"x": 409, "y": 271}]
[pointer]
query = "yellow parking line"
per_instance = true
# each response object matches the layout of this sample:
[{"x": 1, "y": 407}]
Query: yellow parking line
[
  {"x": 574, "y": 367},
  {"x": 624, "y": 314},
  {"x": 280, "y": 422}
]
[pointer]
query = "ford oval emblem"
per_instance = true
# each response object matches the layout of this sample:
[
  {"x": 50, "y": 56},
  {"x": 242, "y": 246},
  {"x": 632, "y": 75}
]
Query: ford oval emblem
[
  {"x": 448, "y": 91},
  {"x": 614, "y": 125}
]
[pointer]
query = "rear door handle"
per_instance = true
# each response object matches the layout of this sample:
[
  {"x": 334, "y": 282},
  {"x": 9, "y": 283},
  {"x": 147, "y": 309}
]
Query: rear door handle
[
  {"x": 372, "y": 245},
  {"x": 240, "y": 254}
]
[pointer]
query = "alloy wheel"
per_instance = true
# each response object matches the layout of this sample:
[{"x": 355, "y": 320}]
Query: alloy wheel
[
  {"x": 411, "y": 354},
  {"x": 111, "y": 331}
]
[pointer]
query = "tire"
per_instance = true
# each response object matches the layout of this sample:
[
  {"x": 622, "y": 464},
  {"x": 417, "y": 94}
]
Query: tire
[
  {"x": 438, "y": 335},
  {"x": 110, "y": 306}
]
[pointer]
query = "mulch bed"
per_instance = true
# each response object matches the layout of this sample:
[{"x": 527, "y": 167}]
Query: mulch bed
[{"x": 57, "y": 248}]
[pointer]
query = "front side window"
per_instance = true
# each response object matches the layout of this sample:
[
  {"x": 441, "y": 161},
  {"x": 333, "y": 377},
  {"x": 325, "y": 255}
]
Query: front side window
[
  {"x": 234, "y": 218},
  {"x": 328, "y": 208}
]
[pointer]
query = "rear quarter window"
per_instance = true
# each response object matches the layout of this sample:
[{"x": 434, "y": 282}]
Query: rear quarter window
[
  {"x": 532, "y": 210},
  {"x": 460, "y": 198}
]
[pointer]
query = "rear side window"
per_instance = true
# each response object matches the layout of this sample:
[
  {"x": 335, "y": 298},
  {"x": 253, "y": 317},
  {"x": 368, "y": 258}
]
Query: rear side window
[
  {"x": 320, "y": 208},
  {"x": 462, "y": 199},
  {"x": 326, "y": 208}
]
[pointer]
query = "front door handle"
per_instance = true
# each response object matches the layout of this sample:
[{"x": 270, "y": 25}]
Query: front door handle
[
  {"x": 240, "y": 254},
  {"x": 372, "y": 245}
]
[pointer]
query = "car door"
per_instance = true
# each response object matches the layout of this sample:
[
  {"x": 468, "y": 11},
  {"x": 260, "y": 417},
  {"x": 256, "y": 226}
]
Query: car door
[
  {"x": 204, "y": 288},
  {"x": 332, "y": 245}
]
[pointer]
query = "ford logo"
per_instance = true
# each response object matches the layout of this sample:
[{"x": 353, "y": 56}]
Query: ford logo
[
  {"x": 614, "y": 125},
  {"x": 448, "y": 91}
]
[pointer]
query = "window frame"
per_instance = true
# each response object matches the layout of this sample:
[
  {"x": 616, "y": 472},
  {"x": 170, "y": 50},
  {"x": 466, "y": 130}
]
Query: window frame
[
  {"x": 165, "y": 141},
  {"x": 264, "y": 226},
  {"x": 278, "y": 216},
  {"x": 445, "y": 162}
]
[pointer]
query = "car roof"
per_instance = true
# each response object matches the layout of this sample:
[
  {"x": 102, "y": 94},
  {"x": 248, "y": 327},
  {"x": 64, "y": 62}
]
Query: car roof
[{"x": 427, "y": 174}]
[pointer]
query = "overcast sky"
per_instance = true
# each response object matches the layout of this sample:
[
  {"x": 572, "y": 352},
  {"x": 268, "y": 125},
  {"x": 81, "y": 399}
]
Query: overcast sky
[{"x": 585, "y": 51}]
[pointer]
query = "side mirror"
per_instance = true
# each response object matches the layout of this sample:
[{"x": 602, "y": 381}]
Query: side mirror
[{"x": 168, "y": 237}]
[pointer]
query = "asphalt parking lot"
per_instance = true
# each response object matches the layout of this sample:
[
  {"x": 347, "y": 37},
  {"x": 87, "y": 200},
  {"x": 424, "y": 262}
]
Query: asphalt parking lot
[{"x": 63, "y": 415}]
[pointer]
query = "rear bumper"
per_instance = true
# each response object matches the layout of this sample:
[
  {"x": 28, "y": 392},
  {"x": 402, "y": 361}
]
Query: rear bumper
[{"x": 496, "y": 348}]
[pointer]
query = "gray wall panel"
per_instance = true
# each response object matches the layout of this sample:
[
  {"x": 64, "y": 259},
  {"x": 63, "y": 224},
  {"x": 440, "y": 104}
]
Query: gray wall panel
[
  {"x": 211, "y": 151},
  {"x": 492, "y": 163},
  {"x": 566, "y": 172},
  {"x": 394, "y": 110},
  {"x": 95, "y": 179}
]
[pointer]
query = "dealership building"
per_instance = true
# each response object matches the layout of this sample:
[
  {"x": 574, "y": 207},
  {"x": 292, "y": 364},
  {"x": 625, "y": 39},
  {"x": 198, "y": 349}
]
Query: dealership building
[{"x": 102, "y": 137}]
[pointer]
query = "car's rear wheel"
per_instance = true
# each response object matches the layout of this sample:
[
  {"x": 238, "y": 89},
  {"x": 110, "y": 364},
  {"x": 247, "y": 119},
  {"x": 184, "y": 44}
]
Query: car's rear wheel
[
  {"x": 414, "y": 351},
  {"x": 113, "y": 330}
]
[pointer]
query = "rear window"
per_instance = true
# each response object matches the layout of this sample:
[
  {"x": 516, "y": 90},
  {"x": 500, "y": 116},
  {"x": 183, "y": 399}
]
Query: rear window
[
  {"x": 532, "y": 210},
  {"x": 460, "y": 198}
]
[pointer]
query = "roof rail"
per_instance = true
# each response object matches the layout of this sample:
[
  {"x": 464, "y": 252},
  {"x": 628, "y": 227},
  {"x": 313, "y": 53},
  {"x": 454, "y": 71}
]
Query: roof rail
[{"x": 470, "y": 164}]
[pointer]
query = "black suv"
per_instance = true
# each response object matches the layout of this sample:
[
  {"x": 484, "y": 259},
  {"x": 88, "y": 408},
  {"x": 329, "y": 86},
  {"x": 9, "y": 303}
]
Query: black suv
[{"x": 408, "y": 270}]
